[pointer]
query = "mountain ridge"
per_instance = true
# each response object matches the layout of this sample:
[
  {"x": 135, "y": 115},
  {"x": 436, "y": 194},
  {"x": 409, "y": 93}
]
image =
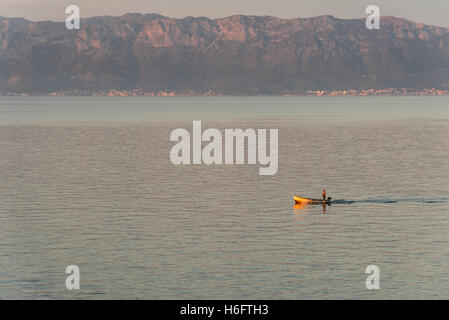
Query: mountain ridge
[
  {"x": 238, "y": 54},
  {"x": 157, "y": 15}
]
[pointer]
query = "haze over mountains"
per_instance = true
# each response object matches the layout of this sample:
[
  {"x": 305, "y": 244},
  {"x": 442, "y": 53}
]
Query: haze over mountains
[{"x": 232, "y": 55}]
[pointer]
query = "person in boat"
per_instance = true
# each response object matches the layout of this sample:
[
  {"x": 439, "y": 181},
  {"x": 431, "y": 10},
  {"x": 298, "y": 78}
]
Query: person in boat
[{"x": 324, "y": 194}]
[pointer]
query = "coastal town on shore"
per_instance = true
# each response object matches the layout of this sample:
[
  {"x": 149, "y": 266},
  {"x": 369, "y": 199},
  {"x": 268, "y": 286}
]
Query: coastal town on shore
[{"x": 168, "y": 93}]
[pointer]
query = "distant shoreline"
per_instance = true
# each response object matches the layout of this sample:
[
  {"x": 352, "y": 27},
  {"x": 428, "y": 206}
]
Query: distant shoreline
[{"x": 167, "y": 93}]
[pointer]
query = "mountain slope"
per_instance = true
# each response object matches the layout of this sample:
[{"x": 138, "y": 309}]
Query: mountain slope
[{"x": 232, "y": 55}]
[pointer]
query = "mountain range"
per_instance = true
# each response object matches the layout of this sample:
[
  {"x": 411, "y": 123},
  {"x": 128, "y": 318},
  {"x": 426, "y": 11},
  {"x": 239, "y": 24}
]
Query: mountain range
[{"x": 236, "y": 55}]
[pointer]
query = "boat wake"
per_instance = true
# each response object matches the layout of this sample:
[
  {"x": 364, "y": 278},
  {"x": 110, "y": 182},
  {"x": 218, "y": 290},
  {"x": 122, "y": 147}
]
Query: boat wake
[{"x": 396, "y": 200}]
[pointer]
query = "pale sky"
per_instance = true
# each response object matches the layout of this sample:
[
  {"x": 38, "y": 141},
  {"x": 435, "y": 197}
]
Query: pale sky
[{"x": 435, "y": 12}]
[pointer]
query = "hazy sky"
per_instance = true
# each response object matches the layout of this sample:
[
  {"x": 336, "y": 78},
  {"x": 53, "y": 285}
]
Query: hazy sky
[{"x": 434, "y": 12}]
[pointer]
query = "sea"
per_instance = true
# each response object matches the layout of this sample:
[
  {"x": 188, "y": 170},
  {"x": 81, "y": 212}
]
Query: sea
[{"x": 88, "y": 181}]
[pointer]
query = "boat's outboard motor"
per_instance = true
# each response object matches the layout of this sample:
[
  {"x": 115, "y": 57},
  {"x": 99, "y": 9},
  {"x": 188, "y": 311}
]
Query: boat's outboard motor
[{"x": 329, "y": 198}]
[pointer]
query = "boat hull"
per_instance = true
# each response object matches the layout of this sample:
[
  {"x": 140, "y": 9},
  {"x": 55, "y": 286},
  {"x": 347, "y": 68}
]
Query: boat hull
[{"x": 304, "y": 200}]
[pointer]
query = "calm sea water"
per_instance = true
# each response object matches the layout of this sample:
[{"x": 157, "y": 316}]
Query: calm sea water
[{"x": 88, "y": 181}]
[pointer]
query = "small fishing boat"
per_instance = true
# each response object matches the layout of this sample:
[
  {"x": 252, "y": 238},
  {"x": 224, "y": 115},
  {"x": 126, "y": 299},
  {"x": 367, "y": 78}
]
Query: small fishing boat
[{"x": 305, "y": 200}]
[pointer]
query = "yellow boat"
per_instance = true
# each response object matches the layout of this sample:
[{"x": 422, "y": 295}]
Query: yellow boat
[{"x": 304, "y": 200}]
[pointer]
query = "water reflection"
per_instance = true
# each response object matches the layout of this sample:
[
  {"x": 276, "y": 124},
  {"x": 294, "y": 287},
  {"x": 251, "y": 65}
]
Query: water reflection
[{"x": 298, "y": 207}]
